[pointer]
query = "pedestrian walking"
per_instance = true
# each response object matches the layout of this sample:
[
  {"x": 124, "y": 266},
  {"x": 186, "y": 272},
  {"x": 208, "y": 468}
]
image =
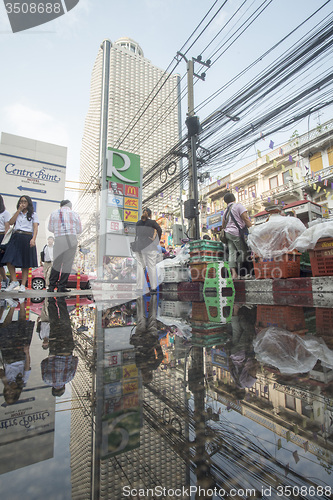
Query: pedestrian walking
[
  {"x": 4, "y": 226},
  {"x": 15, "y": 340},
  {"x": 234, "y": 222},
  {"x": 46, "y": 257},
  {"x": 147, "y": 238},
  {"x": 21, "y": 249},
  {"x": 147, "y": 347},
  {"x": 66, "y": 225}
]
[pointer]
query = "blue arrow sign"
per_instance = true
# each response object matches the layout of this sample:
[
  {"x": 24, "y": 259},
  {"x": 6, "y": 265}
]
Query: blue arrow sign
[{"x": 21, "y": 188}]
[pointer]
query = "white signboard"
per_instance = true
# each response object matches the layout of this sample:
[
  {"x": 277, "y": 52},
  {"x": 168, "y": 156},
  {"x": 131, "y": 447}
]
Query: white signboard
[
  {"x": 114, "y": 226},
  {"x": 115, "y": 200},
  {"x": 36, "y": 179}
]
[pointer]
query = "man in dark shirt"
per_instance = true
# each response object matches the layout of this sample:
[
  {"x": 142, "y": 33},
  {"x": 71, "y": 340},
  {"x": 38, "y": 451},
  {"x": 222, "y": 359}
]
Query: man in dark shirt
[{"x": 148, "y": 234}]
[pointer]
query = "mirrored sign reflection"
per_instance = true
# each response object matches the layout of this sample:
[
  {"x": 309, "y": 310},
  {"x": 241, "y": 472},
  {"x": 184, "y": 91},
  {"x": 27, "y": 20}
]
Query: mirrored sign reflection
[{"x": 150, "y": 398}]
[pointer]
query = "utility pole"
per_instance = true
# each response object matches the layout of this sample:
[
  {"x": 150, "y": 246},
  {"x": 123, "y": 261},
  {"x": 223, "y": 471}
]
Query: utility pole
[
  {"x": 193, "y": 126},
  {"x": 192, "y": 158}
]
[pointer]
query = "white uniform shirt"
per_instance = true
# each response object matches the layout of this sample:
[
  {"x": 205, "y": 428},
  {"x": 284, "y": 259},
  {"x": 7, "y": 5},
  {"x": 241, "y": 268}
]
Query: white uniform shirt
[
  {"x": 48, "y": 253},
  {"x": 44, "y": 330},
  {"x": 23, "y": 224},
  {"x": 14, "y": 369},
  {"x": 4, "y": 217}
]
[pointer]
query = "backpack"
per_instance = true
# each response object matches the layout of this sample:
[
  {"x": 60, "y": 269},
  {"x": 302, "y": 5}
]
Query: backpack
[{"x": 42, "y": 254}]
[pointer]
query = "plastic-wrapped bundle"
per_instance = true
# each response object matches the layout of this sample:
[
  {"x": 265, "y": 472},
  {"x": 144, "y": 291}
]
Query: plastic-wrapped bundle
[
  {"x": 289, "y": 352},
  {"x": 275, "y": 237},
  {"x": 308, "y": 239}
]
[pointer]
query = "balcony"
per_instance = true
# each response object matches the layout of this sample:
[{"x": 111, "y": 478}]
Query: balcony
[{"x": 287, "y": 190}]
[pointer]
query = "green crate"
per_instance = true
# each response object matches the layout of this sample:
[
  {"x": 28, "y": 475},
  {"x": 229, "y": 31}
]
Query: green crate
[
  {"x": 217, "y": 279},
  {"x": 204, "y": 258},
  {"x": 205, "y": 245},
  {"x": 200, "y": 341},
  {"x": 219, "y": 292}
]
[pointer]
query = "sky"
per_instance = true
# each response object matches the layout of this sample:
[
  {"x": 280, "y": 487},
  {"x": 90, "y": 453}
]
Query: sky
[{"x": 46, "y": 70}]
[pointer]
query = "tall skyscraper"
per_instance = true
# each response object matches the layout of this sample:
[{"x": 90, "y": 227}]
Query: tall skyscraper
[{"x": 142, "y": 115}]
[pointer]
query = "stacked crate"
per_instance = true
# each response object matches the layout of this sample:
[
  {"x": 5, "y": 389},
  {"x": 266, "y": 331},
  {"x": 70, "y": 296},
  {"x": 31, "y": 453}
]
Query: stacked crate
[
  {"x": 219, "y": 292},
  {"x": 201, "y": 253},
  {"x": 208, "y": 267},
  {"x": 321, "y": 257},
  {"x": 171, "y": 305},
  {"x": 289, "y": 318},
  {"x": 286, "y": 266}
]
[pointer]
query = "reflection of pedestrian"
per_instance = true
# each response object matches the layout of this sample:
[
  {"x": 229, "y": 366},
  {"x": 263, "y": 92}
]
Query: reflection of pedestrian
[
  {"x": 65, "y": 224},
  {"x": 21, "y": 249},
  {"x": 235, "y": 218},
  {"x": 15, "y": 339},
  {"x": 60, "y": 366},
  {"x": 148, "y": 235},
  {"x": 43, "y": 325},
  {"x": 4, "y": 226},
  {"x": 148, "y": 351},
  {"x": 47, "y": 259},
  {"x": 243, "y": 364}
]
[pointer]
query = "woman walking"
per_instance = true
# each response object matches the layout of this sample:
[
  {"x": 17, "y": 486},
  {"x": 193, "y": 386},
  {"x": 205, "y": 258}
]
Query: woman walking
[
  {"x": 4, "y": 226},
  {"x": 21, "y": 250}
]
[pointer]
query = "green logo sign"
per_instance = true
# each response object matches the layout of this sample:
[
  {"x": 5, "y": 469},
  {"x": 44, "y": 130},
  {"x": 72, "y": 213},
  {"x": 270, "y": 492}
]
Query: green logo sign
[{"x": 123, "y": 167}]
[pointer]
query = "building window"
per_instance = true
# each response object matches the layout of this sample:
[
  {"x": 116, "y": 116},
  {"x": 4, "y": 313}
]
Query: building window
[
  {"x": 307, "y": 409},
  {"x": 273, "y": 182},
  {"x": 252, "y": 192},
  {"x": 264, "y": 393},
  {"x": 241, "y": 195},
  {"x": 290, "y": 402},
  {"x": 316, "y": 162},
  {"x": 330, "y": 156},
  {"x": 286, "y": 177}
]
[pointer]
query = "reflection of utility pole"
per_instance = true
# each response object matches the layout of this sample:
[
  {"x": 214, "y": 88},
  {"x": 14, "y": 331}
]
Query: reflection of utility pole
[
  {"x": 201, "y": 459},
  {"x": 193, "y": 126}
]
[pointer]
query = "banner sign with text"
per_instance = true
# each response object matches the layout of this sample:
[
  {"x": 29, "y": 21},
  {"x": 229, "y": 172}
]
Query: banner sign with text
[{"x": 124, "y": 180}]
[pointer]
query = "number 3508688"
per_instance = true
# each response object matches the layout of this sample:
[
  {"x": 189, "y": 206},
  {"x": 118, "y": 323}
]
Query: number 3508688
[{"x": 33, "y": 8}]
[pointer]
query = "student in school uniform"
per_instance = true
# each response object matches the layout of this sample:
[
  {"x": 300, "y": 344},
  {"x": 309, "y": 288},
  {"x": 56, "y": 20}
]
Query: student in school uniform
[{"x": 21, "y": 249}]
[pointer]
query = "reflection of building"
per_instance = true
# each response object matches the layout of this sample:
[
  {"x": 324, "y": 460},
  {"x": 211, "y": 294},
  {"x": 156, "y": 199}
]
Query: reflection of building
[
  {"x": 158, "y": 461},
  {"x": 143, "y": 114},
  {"x": 36, "y": 169},
  {"x": 28, "y": 426},
  {"x": 303, "y": 165},
  {"x": 81, "y": 413},
  {"x": 154, "y": 452},
  {"x": 298, "y": 414}
]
